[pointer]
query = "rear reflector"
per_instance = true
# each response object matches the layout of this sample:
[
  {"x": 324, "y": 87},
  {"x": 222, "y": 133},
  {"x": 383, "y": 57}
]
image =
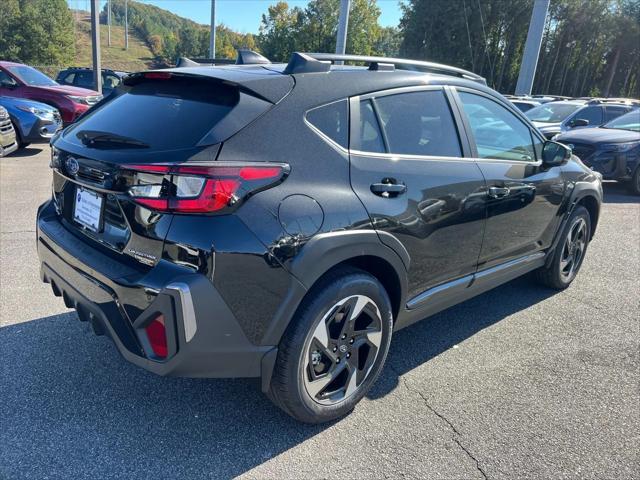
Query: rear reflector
[
  {"x": 212, "y": 188},
  {"x": 157, "y": 335}
]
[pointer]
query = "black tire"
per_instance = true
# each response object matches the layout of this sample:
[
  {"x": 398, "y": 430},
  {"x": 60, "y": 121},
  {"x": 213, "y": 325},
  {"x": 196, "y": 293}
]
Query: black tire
[
  {"x": 559, "y": 273},
  {"x": 300, "y": 354},
  {"x": 634, "y": 184},
  {"x": 21, "y": 144}
]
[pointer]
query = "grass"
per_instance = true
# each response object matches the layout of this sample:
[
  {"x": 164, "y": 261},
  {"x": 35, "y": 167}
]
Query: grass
[{"x": 115, "y": 57}]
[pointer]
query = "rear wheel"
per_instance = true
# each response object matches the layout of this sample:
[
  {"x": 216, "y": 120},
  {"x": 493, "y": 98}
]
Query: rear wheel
[
  {"x": 570, "y": 252},
  {"x": 334, "y": 349}
]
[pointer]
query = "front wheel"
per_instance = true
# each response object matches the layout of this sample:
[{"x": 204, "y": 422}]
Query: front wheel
[
  {"x": 334, "y": 349},
  {"x": 569, "y": 254},
  {"x": 634, "y": 184}
]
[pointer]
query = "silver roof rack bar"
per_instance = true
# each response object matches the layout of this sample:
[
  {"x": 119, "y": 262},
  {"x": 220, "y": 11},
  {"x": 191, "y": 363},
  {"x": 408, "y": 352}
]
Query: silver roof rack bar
[{"x": 400, "y": 63}]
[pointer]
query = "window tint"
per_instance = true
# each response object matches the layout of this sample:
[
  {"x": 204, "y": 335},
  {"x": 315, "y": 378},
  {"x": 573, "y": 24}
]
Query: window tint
[
  {"x": 370, "y": 135},
  {"x": 6, "y": 79},
  {"x": 498, "y": 133},
  {"x": 592, "y": 114},
  {"x": 172, "y": 114},
  {"x": 419, "y": 123},
  {"x": 84, "y": 80},
  {"x": 110, "y": 81},
  {"x": 333, "y": 121},
  {"x": 612, "y": 112},
  {"x": 68, "y": 78}
]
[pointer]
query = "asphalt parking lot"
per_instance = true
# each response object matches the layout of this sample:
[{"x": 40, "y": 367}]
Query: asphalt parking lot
[{"x": 521, "y": 382}]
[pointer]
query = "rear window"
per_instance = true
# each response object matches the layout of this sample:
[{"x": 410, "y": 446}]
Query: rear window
[
  {"x": 333, "y": 121},
  {"x": 175, "y": 113}
]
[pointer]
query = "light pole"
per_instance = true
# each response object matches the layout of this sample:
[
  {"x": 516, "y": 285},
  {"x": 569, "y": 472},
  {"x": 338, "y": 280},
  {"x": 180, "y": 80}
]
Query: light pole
[
  {"x": 95, "y": 44},
  {"x": 126, "y": 25},
  {"x": 212, "y": 38},
  {"x": 343, "y": 25},
  {"x": 109, "y": 22},
  {"x": 532, "y": 48}
]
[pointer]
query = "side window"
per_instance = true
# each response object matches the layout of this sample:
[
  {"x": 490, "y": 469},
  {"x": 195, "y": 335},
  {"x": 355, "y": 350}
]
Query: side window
[
  {"x": 370, "y": 135},
  {"x": 612, "y": 112},
  {"x": 498, "y": 133},
  {"x": 592, "y": 114},
  {"x": 333, "y": 121},
  {"x": 68, "y": 78},
  {"x": 6, "y": 79},
  {"x": 84, "y": 79},
  {"x": 110, "y": 81},
  {"x": 419, "y": 123}
]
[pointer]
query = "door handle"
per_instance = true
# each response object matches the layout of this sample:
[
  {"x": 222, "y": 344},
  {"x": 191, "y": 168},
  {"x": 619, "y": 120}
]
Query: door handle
[
  {"x": 498, "y": 192},
  {"x": 388, "y": 188}
]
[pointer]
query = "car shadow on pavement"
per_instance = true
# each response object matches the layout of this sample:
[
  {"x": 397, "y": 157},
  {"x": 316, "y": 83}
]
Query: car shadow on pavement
[
  {"x": 419, "y": 343},
  {"x": 73, "y": 407},
  {"x": 616, "y": 192},
  {"x": 25, "y": 152}
]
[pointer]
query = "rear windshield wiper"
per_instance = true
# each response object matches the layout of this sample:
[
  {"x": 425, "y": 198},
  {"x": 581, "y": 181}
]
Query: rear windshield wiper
[{"x": 102, "y": 139}]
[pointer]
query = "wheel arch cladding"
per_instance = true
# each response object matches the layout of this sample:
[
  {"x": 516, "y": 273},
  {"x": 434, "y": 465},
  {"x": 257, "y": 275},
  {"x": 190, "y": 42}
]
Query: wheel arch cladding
[
  {"x": 326, "y": 252},
  {"x": 591, "y": 204},
  {"x": 360, "y": 249}
]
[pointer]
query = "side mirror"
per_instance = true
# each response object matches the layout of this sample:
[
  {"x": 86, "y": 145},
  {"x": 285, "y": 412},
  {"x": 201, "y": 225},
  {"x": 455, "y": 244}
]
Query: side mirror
[
  {"x": 579, "y": 122},
  {"x": 554, "y": 154}
]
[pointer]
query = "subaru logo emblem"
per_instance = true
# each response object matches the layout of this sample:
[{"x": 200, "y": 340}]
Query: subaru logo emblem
[{"x": 72, "y": 166}]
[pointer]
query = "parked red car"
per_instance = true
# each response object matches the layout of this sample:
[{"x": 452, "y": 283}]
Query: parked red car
[{"x": 22, "y": 81}]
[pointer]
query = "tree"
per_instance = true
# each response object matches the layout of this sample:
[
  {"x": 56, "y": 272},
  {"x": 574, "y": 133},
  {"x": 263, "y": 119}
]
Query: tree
[
  {"x": 313, "y": 29},
  {"x": 38, "y": 32}
]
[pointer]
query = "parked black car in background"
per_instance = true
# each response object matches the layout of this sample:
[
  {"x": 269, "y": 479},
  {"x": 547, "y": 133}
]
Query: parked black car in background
[
  {"x": 83, "y": 77},
  {"x": 613, "y": 149},
  {"x": 281, "y": 221}
]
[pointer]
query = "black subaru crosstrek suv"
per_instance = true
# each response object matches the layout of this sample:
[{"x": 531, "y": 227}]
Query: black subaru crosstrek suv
[{"x": 281, "y": 221}]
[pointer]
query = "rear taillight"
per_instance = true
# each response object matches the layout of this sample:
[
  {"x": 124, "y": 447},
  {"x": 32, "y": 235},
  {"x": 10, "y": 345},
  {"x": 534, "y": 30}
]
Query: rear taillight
[
  {"x": 202, "y": 188},
  {"x": 157, "y": 335}
]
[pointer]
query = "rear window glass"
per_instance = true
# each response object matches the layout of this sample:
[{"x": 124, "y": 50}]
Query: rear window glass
[
  {"x": 164, "y": 114},
  {"x": 333, "y": 121}
]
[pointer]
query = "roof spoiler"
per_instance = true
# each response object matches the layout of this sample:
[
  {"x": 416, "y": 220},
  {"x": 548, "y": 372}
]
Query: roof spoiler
[
  {"x": 321, "y": 62},
  {"x": 244, "y": 57}
]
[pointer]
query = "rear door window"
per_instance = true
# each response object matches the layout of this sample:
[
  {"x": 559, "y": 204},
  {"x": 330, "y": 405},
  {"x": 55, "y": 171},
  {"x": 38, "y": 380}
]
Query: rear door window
[
  {"x": 84, "y": 80},
  {"x": 592, "y": 114},
  {"x": 370, "y": 134},
  {"x": 333, "y": 121},
  {"x": 615, "y": 111},
  {"x": 418, "y": 123}
]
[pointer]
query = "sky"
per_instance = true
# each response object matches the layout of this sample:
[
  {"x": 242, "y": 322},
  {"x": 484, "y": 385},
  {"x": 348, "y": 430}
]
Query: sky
[{"x": 240, "y": 15}]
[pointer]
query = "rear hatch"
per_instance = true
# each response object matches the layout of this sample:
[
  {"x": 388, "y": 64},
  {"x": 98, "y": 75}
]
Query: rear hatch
[{"x": 154, "y": 118}]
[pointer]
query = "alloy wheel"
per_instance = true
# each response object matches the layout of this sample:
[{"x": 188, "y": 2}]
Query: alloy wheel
[
  {"x": 573, "y": 249},
  {"x": 342, "y": 350}
]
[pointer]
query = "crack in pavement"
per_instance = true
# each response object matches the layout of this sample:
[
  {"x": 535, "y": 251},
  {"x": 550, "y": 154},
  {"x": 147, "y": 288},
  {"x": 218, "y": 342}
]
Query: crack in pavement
[{"x": 457, "y": 435}]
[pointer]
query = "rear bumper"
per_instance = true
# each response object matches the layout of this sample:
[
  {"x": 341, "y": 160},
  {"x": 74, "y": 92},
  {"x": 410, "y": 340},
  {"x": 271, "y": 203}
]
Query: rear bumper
[{"x": 204, "y": 338}]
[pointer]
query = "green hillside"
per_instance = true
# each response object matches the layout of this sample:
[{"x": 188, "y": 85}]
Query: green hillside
[{"x": 137, "y": 57}]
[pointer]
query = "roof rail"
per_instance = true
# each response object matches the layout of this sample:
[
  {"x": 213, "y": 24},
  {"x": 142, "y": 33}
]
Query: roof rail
[
  {"x": 384, "y": 63},
  {"x": 624, "y": 101}
]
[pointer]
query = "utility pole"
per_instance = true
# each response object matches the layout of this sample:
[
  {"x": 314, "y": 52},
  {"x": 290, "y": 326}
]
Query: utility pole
[
  {"x": 212, "y": 38},
  {"x": 532, "y": 48},
  {"x": 343, "y": 26},
  {"x": 126, "y": 25},
  {"x": 109, "y": 22},
  {"x": 95, "y": 44}
]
